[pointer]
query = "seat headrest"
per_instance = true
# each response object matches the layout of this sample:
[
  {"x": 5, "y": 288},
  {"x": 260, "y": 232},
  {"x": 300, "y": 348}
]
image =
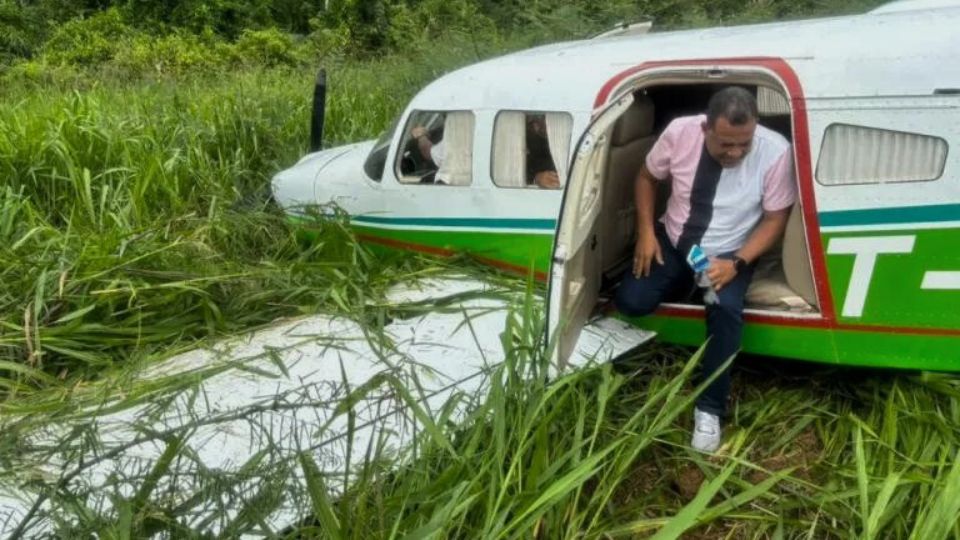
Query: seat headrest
[{"x": 635, "y": 123}]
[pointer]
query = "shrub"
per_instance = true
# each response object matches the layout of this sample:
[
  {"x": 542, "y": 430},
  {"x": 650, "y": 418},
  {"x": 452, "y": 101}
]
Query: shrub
[
  {"x": 39, "y": 72},
  {"x": 327, "y": 40},
  {"x": 18, "y": 34},
  {"x": 88, "y": 41},
  {"x": 173, "y": 54},
  {"x": 269, "y": 47}
]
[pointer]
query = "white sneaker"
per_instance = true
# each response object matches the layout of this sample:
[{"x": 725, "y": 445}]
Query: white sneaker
[{"x": 706, "y": 432}]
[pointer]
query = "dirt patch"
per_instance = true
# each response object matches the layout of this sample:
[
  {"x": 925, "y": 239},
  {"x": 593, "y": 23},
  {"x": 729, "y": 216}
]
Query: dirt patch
[
  {"x": 726, "y": 529},
  {"x": 803, "y": 453},
  {"x": 689, "y": 477},
  {"x": 809, "y": 444},
  {"x": 642, "y": 479},
  {"x": 688, "y": 481}
]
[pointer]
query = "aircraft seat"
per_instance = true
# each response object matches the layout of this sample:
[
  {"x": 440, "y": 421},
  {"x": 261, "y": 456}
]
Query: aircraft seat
[
  {"x": 782, "y": 279},
  {"x": 631, "y": 139},
  {"x": 796, "y": 258}
]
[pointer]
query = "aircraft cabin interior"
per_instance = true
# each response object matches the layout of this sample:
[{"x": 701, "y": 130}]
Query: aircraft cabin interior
[{"x": 783, "y": 279}]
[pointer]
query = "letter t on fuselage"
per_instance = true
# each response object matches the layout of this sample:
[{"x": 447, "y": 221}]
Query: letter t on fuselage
[{"x": 865, "y": 251}]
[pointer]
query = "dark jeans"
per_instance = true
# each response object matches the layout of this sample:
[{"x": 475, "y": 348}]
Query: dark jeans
[{"x": 672, "y": 281}]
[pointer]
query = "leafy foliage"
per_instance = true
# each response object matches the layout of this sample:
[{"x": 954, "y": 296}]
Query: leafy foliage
[
  {"x": 268, "y": 48},
  {"x": 18, "y": 33},
  {"x": 87, "y": 41},
  {"x": 94, "y": 32}
]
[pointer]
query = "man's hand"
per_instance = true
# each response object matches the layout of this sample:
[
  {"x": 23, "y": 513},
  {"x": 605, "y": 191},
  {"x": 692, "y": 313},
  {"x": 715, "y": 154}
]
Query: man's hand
[
  {"x": 646, "y": 251},
  {"x": 547, "y": 179},
  {"x": 721, "y": 272}
]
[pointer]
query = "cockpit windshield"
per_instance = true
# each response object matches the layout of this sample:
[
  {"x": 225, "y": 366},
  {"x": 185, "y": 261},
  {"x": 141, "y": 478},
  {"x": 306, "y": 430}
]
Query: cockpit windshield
[{"x": 377, "y": 159}]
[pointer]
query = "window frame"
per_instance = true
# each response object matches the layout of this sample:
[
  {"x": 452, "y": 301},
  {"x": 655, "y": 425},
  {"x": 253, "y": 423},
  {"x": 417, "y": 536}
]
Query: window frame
[
  {"x": 404, "y": 140},
  {"x": 493, "y": 135}
]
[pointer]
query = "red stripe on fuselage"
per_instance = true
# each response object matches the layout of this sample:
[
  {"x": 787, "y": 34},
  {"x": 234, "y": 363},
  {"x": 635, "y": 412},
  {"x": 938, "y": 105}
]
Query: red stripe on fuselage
[{"x": 443, "y": 252}]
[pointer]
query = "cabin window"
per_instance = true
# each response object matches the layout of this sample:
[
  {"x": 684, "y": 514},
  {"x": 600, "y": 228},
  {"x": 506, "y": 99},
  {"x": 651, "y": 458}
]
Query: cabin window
[
  {"x": 864, "y": 155},
  {"x": 377, "y": 158},
  {"x": 531, "y": 149},
  {"x": 437, "y": 148}
]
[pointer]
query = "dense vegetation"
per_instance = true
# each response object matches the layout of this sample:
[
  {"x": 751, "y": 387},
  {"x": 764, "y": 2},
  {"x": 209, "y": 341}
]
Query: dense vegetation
[
  {"x": 136, "y": 141},
  {"x": 143, "y": 38}
]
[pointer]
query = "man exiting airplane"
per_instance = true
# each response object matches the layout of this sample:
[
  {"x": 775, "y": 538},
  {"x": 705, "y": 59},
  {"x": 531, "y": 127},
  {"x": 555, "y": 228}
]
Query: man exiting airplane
[{"x": 732, "y": 188}]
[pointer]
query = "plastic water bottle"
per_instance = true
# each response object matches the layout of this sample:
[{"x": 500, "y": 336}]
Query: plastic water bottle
[
  {"x": 699, "y": 262},
  {"x": 709, "y": 294}
]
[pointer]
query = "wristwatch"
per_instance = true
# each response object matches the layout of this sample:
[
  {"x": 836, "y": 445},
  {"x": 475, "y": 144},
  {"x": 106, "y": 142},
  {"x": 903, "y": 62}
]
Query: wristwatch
[{"x": 739, "y": 264}]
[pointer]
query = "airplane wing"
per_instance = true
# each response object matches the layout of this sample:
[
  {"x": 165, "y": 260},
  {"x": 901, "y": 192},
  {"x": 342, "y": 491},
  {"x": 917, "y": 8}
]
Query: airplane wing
[{"x": 322, "y": 385}]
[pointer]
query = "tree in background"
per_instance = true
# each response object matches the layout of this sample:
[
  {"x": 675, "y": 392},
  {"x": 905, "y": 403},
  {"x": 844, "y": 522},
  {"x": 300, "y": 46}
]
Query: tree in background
[
  {"x": 86, "y": 32},
  {"x": 225, "y": 17}
]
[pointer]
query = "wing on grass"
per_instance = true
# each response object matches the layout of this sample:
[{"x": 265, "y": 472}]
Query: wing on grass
[{"x": 322, "y": 390}]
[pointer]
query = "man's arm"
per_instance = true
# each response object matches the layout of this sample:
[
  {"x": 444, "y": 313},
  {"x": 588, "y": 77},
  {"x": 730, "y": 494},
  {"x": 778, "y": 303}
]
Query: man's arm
[
  {"x": 657, "y": 167},
  {"x": 541, "y": 170},
  {"x": 424, "y": 144},
  {"x": 648, "y": 248},
  {"x": 771, "y": 228},
  {"x": 547, "y": 179}
]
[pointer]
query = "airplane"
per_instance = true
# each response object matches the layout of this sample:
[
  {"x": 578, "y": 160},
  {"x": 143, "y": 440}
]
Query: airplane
[{"x": 867, "y": 273}]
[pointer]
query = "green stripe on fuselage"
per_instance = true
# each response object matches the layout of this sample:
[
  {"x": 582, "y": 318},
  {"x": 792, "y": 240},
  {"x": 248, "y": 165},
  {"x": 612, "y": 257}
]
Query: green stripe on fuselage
[
  {"x": 526, "y": 246},
  {"x": 895, "y": 312},
  {"x": 891, "y": 216}
]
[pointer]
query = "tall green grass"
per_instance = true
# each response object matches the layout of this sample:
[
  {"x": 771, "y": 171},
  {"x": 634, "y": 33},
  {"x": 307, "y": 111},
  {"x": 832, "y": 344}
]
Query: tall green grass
[
  {"x": 603, "y": 454},
  {"x": 136, "y": 218}
]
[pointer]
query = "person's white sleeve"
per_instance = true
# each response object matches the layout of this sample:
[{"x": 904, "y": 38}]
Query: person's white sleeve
[{"x": 437, "y": 153}]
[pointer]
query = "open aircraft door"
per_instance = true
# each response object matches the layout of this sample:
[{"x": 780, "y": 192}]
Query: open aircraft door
[{"x": 575, "y": 265}]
